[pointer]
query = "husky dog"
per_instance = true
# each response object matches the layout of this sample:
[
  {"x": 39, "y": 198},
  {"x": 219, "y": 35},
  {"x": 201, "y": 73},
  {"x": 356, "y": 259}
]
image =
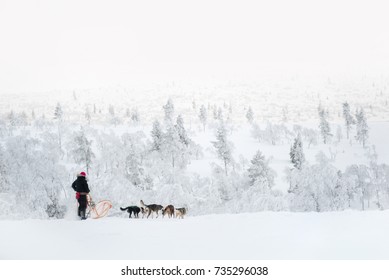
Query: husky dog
[
  {"x": 169, "y": 210},
  {"x": 151, "y": 208},
  {"x": 144, "y": 211},
  {"x": 180, "y": 212},
  {"x": 132, "y": 209}
]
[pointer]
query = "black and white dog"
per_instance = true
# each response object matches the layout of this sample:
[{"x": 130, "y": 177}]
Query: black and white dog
[{"x": 132, "y": 209}]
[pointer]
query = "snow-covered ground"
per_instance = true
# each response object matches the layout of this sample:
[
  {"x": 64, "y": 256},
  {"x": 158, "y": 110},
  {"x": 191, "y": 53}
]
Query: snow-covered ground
[{"x": 266, "y": 235}]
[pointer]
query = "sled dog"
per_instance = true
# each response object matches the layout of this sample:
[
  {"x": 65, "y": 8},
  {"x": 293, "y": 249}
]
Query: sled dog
[
  {"x": 132, "y": 209},
  {"x": 180, "y": 212},
  {"x": 150, "y": 208},
  {"x": 168, "y": 210}
]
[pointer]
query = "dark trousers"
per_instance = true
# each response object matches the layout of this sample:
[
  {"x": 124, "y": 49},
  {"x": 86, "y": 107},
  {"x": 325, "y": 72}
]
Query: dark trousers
[{"x": 82, "y": 203}]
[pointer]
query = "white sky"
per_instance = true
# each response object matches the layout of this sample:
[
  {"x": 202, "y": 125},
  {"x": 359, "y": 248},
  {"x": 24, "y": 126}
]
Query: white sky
[{"x": 70, "y": 44}]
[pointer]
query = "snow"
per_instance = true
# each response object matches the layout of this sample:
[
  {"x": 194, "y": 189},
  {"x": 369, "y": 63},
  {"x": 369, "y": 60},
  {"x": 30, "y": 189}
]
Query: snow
[{"x": 265, "y": 235}]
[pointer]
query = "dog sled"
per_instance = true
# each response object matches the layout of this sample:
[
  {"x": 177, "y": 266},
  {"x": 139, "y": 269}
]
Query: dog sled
[{"x": 97, "y": 210}]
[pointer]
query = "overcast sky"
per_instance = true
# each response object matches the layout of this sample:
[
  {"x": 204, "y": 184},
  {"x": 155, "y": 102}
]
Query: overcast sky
[{"x": 71, "y": 44}]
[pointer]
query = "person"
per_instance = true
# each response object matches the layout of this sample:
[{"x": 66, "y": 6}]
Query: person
[{"x": 80, "y": 185}]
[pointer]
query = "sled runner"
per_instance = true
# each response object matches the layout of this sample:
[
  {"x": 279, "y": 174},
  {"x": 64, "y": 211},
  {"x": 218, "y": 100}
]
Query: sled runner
[{"x": 99, "y": 209}]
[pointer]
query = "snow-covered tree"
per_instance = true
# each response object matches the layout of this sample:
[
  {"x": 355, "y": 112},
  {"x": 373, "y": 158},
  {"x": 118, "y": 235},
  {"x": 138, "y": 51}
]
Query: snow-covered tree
[
  {"x": 223, "y": 146},
  {"x": 111, "y": 110},
  {"x": 134, "y": 169},
  {"x": 156, "y": 135},
  {"x": 362, "y": 128},
  {"x": 214, "y": 112},
  {"x": 113, "y": 118},
  {"x": 285, "y": 113},
  {"x": 4, "y": 184},
  {"x": 58, "y": 112},
  {"x": 82, "y": 150},
  {"x": 296, "y": 152},
  {"x": 324, "y": 126},
  {"x": 12, "y": 119},
  {"x": 340, "y": 196},
  {"x": 312, "y": 187},
  {"x": 203, "y": 116},
  {"x": 184, "y": 138},
  {"x": 135, "y": 117},
  {"x": 58, "y": 115},
  {"x": 348, "y": 118},
  {"x": 250, "y": 115},
  {"x": 359, "y": 177},
  {"x": 310, "y": 135},
  {"x": 169, "y": 111},
  {"x": 260, "y": 174},
  {"x": 220, "y": 114},
  {"x": 128, "y": 113},
  {"x": 88, "y": 115}
]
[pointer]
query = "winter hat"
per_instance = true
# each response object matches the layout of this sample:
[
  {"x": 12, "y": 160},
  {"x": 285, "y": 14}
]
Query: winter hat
[{"x": 83, "y": 174}]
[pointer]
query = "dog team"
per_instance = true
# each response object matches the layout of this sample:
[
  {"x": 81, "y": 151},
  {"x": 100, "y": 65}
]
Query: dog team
[{"x": 149, "y": 209}]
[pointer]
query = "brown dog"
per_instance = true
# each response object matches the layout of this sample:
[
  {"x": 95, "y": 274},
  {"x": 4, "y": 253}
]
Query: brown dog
[{"x": 169, "y": 210}]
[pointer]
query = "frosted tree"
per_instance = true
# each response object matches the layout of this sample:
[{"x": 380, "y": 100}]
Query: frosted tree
[
  {"x": 310, "y": 136},
  {"x": 348, "y": 118},
  {"x": 58, "y": 115},
  {"x": 58, "y": 112},
  {"x": 340, "y": 198},
  {"x": 135, "y": 117},
  {"x": 250, "y": 115},
  {"x": 88, "y": 115},
  {"x": 359, "y": 177},
  {"x": 296, "y": 152},
  {"x": 324, "y": 125},
  {"x": 256, "y": 132},
  {"x": 23, "y": 119},
  {"x": 362, "y": 128},
  {"x": 111, "y": 110},
  {"x": 156, "y": 136},
  {"x": 203, "y": 116},
  {"x": 82, "y": 151},
  {"x": 12, "y": 119},
  {"x": 301, "y": 192},
  {"x": 223, "y": 146},
  {"x": 134, "y": 170},
  {"x": 273, "y": 133},
  {"x": 220, "y": 114},
  {"x": 260, "y": 174},
  {"x": 182, "y": 131},
  {"x": 312, "y": 187},
  {"x": 285, "y": 113},
  {"x": 4, "y": 184},
  {"x": 214, "y": 112},
  {"x": 172, "y": 145},
  {"x": 169, "y": 111},
  {"x": 113, "y": 118},
  {"x": 379, "y": 180}
]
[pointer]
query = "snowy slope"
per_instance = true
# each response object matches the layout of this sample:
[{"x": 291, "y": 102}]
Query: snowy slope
[{"x": 266, "y": 235}]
